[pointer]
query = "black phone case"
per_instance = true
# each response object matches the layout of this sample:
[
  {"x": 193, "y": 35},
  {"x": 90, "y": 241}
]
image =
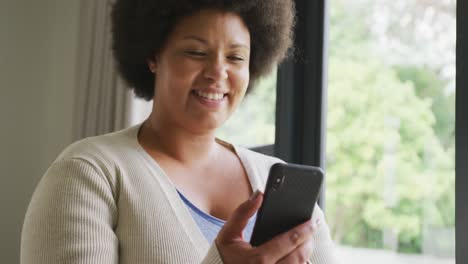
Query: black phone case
[{"x": 290, "y": 204}]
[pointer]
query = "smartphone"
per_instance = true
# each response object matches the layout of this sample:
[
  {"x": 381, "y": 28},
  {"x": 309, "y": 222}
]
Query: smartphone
[{"x": 289, "y": 200}]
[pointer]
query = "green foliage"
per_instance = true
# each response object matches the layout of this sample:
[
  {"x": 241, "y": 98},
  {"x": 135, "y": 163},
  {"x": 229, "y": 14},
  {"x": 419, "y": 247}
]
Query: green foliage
[
  {"x": 390, "y": 162},
  {"x": 429, "y": 85}
]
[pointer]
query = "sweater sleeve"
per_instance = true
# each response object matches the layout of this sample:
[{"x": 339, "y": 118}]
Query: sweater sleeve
[
  {"x": 71, "y": 217},
  {"x": 324, "y": 251}
]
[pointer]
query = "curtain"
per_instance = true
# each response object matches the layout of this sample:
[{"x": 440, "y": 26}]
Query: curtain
[{"x": 102, "y": 102}]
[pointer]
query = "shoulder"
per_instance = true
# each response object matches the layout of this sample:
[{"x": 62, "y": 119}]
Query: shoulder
[
  {"x": 104, "y": 148},
  {"x": 261, "y": 161},
  {"x": 101, "y": 157},
  {"x": 257, "y": 165}
]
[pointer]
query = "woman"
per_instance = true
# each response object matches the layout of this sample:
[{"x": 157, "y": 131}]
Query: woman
[{"x": 168, "y": 191}]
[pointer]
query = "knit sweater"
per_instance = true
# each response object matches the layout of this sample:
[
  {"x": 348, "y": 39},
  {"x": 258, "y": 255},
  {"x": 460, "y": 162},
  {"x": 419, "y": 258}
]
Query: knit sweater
[{"x": 105, "y": 200}]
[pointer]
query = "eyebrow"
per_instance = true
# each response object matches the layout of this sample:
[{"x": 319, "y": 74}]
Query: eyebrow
[{"x": 234, "y": 45}]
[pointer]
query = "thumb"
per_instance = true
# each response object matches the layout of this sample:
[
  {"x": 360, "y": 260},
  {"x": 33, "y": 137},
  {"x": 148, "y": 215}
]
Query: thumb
[{"x": 236, "y": 223}]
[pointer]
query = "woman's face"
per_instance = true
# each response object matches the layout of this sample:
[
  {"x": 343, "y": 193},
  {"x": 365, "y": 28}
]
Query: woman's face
[{"x": 202, "y": 73}]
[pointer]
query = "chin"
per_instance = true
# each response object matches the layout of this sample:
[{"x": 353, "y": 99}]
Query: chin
[{"x": 207, "y": 126}]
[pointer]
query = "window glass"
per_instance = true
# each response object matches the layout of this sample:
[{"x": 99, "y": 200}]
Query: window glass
[{"x": 390, "y": 132}]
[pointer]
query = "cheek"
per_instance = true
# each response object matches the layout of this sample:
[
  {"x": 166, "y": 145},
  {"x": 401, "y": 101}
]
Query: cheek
[
  {"x": 241, "y": 80},
  {"x": 181, "y": 75}
]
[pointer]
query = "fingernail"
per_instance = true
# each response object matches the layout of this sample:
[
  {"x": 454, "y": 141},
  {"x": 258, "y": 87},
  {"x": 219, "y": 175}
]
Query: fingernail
[
  {"x": 315, "y": 224},
  {"x": 254, "y": 195},
  {"x": 294, "y": 237}
]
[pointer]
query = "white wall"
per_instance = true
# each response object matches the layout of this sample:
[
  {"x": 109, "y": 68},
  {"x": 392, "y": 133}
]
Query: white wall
[{"x": 38, "y": 43}]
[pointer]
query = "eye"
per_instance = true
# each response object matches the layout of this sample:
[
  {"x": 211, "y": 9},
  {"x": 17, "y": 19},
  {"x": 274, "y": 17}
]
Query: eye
[
  {"x": 195, "y": 53},
  {"x": 236, "y": 58}
]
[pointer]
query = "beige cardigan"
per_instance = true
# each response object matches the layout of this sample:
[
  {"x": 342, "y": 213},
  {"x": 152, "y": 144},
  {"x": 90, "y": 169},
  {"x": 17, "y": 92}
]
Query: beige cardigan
[{"x": 105, "y": 200}]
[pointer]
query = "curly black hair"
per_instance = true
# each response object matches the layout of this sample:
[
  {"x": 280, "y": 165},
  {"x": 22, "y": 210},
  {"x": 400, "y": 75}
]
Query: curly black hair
[{"x": 141, "y": 28}]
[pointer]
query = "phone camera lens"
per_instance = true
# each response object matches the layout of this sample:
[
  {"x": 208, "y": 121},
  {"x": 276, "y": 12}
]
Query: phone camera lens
[{"x": 277, "y": 183}]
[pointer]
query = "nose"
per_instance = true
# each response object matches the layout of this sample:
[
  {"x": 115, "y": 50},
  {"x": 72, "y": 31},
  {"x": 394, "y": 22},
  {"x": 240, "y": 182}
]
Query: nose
[{"x": 216, "y": 69}]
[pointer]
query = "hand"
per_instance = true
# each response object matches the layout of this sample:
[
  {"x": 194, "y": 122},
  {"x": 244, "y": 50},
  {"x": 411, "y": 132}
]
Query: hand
[{"x": 294, "y": 246}]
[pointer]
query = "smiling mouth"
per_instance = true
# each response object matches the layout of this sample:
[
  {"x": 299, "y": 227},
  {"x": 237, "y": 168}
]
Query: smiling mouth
[{"x": 210, "y": 96}]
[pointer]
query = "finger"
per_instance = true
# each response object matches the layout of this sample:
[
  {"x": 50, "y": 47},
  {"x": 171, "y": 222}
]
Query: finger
[
  {"x": 238, "y": 220},
  {"x": 299, "y": 255},
  {"x": 283, "y": 244}
]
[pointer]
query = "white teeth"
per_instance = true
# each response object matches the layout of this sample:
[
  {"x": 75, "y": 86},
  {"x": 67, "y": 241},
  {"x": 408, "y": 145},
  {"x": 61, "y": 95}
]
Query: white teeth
[{"x": 212, "y": 96}]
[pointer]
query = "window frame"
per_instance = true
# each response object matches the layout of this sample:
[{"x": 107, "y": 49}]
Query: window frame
[
  {"x": 302, "y": 91},
  {"x": 461, "y": 134}
]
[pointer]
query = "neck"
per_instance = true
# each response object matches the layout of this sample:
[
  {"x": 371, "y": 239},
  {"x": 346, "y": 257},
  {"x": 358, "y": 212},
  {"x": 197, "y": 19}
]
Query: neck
[{"x": 169, "y": 140}]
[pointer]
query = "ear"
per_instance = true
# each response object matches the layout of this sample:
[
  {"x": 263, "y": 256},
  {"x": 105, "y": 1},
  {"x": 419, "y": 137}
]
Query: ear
[{"x": 152, "y": 65}]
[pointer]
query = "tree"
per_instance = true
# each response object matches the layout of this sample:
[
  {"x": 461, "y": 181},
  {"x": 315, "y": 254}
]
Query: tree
[{"x": 387, "y": 168}]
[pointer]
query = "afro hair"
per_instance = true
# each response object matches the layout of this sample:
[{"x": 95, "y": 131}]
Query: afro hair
[{"x": 141, "y": 27}]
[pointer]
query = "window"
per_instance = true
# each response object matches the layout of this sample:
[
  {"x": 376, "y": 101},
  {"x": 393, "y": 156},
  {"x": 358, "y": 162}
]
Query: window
[
  {"x": 390, "y": 133},
  {"x": 461, "y": 140}
]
